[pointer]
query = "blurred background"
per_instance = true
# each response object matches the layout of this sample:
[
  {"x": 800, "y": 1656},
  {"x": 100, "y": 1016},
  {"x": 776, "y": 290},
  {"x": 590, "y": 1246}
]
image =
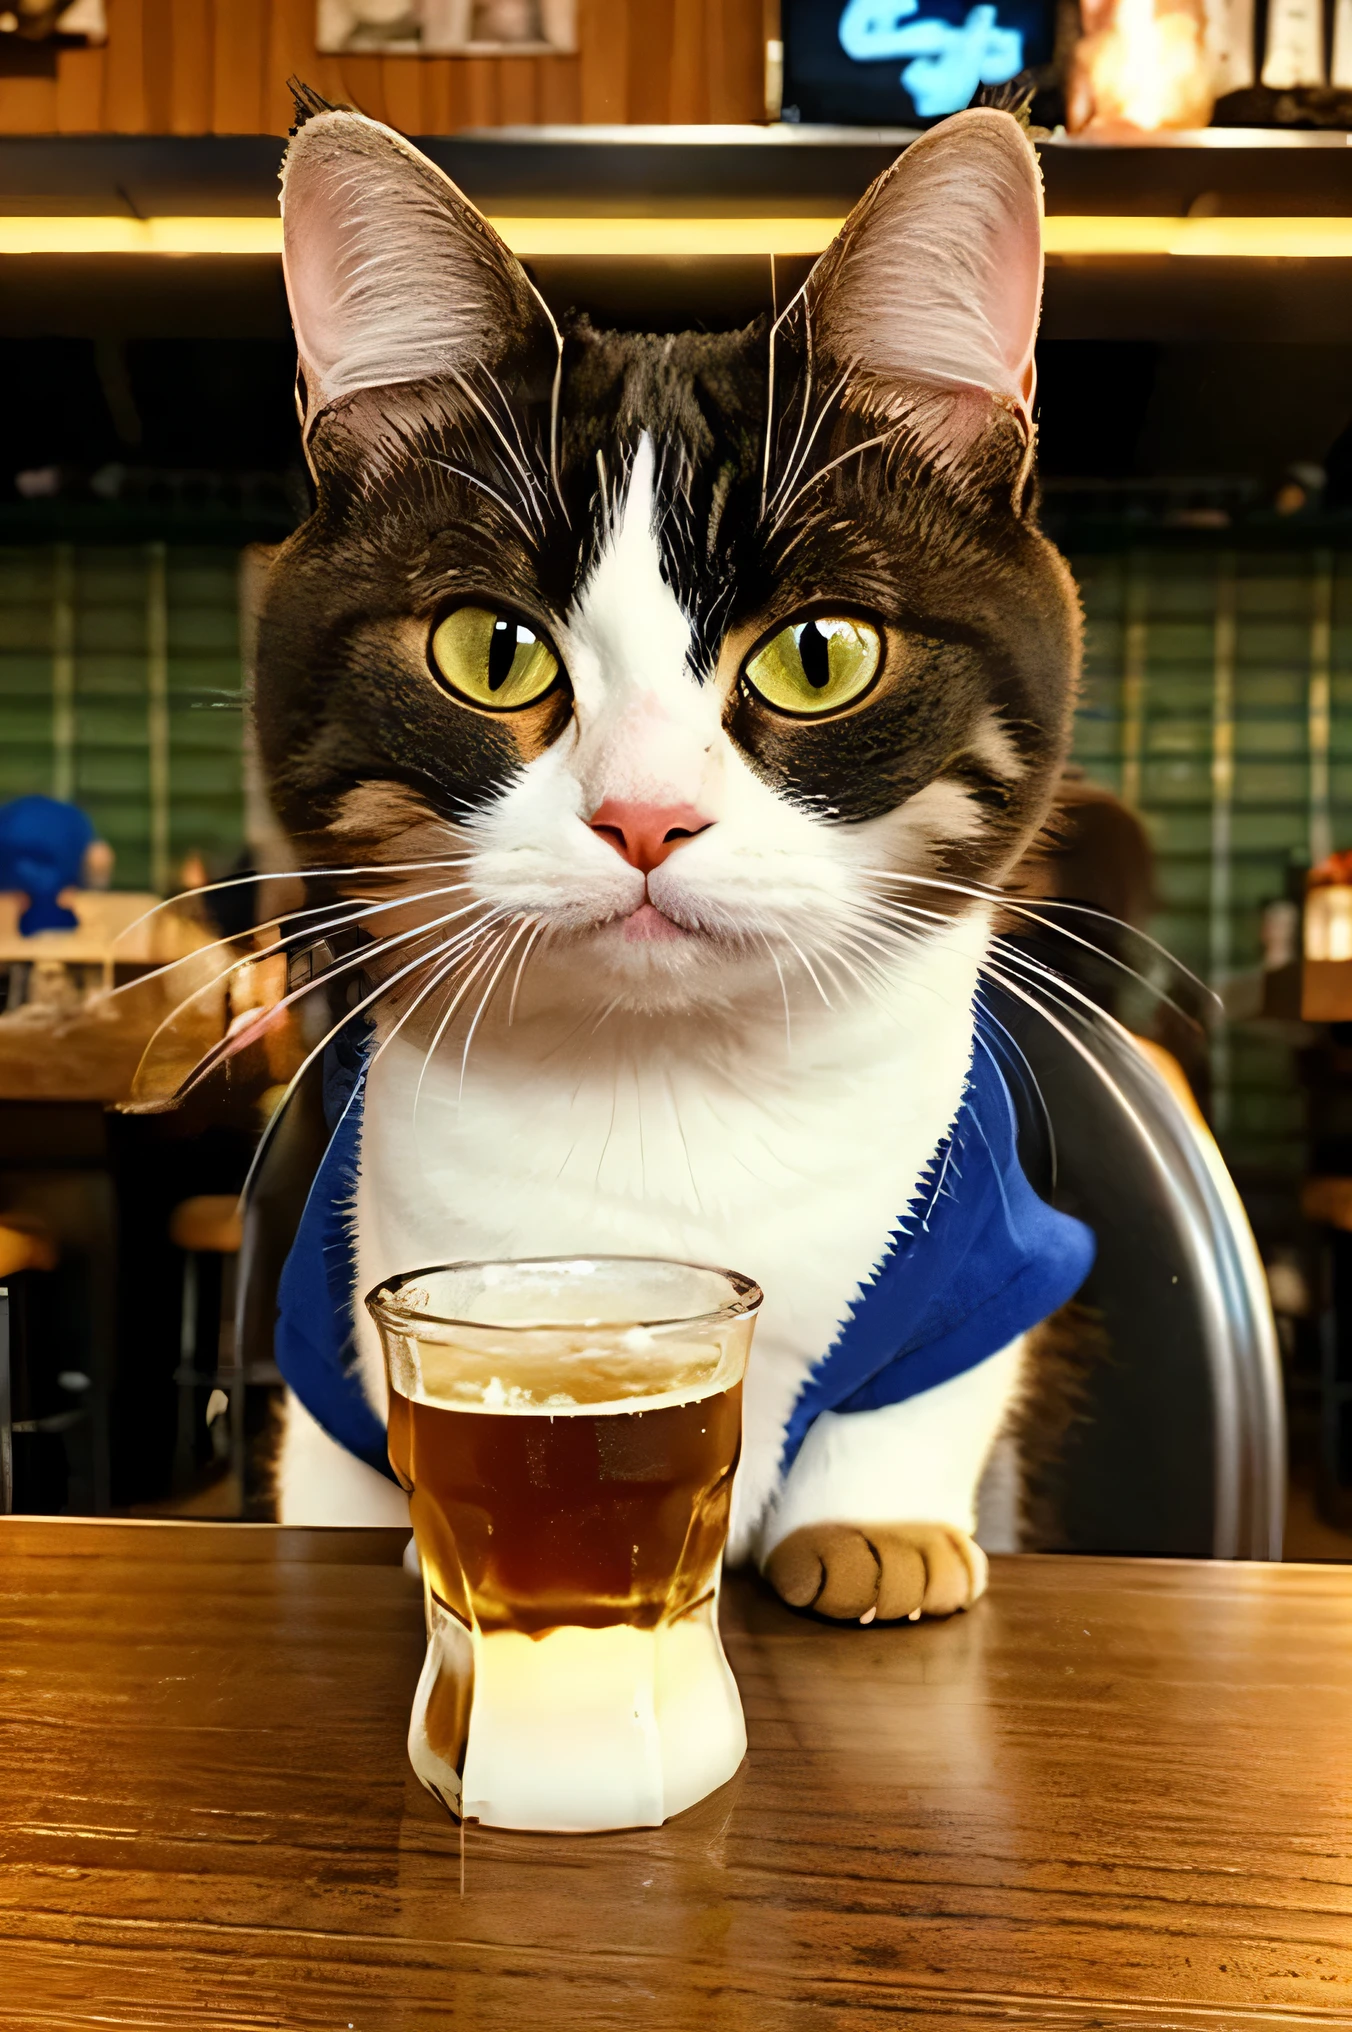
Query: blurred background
[{"x": 661, "y": 164}]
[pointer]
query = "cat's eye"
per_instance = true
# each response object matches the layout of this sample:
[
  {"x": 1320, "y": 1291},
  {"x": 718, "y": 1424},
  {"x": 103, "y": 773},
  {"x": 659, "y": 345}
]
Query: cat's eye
[
  {"x": 816, "y": 666},
  {"x": 491, "y": 659}
]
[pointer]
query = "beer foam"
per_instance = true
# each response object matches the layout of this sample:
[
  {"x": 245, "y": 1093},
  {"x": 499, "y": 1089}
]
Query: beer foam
[{"x": 643, "y": 1374}]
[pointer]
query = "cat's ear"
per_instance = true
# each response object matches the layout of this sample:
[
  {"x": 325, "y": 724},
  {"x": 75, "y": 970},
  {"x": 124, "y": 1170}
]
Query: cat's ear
[
  {"x": 391, "y": 273},
  {"x": 936, "y": 275}
]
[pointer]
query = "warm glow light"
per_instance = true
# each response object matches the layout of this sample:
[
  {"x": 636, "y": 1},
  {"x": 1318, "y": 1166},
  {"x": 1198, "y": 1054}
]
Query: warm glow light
[
  {"x": 766, "y": 235},
  {"x": 1141, "y": 65},
  {"x": 1065, "y": 233},
  {"x": 1265, "y": 239},
  {"x": 526, "y": 236},
  {"x": 140, "y": 236}
]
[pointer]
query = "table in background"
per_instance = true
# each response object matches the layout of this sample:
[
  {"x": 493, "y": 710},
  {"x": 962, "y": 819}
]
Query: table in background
[{"x": 1114, "y": 1794}]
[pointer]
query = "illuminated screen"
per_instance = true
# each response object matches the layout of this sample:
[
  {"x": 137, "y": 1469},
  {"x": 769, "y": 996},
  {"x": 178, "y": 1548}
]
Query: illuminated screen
[{"x": 903, "y": 63}]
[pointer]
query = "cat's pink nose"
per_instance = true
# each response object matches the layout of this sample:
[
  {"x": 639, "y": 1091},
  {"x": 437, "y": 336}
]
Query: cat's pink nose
[{"x": 644, "y": 834}]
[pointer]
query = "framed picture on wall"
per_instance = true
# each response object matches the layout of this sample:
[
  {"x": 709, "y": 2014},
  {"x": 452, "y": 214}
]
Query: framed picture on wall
[
  {"x": 446, "y": 27},
  {"x": 905, "y": 63}
]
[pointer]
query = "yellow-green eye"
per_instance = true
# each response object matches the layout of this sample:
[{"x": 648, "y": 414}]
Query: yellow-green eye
[
  {"x": 492, "y": 659},
  {"x": 816, "y": 666}
]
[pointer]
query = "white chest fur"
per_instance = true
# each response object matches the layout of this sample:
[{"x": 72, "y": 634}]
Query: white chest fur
[{"x": 790, "y": 1162}]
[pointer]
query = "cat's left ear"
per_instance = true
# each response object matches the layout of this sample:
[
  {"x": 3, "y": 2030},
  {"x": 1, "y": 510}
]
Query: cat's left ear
[
  {"x": 936, "y": 276},
  {"x": 391, "y": 273}
]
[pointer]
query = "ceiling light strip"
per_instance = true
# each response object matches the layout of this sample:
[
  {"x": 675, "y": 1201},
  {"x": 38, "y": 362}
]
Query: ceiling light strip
[{"x": 1084, "y": 236}]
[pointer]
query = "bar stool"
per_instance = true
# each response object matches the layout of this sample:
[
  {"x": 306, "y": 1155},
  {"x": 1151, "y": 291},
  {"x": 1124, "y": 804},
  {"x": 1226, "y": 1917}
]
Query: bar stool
[
  {"x": 24, "y": 1246},
  {"x": 208, "y": 1230}
]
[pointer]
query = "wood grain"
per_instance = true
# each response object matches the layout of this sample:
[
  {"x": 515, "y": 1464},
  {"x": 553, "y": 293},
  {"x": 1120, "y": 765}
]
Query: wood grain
[
  {"x": 157, "y": 64},
  {"x": 402, "y": 87},
  {"x": 27, "y": 105},
  {"x": 289, "y": 50},
  {"x": 190, "y": 66},
  {"x": 603, "y": 32},
  {"x": 689, "y": 87},
  {"x": 736, "y": 47},
  {"x": 220, "y": 67},
  {"x": 79, "y": 91},
  {"x": 239, "y": 46},
  {"x": 124, "y": 68},
  {"x": 1114, "y": 1794}
]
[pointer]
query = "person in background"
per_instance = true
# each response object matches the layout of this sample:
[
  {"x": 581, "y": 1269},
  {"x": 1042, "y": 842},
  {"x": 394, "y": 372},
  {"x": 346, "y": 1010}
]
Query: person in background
[
  {"x": 1095, "y": 852},
  {"x": 47, "y": 847}
]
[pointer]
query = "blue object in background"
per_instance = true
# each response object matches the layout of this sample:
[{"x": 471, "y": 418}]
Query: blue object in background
[
  {"x": 42, "y": 849},
  {"x": 948, "y": 59},
  {"x": 903, "y": 63}
]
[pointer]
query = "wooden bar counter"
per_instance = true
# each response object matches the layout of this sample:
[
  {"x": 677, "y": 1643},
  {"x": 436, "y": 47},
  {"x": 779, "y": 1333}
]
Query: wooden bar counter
[{"x": 1116, "y": 1794}]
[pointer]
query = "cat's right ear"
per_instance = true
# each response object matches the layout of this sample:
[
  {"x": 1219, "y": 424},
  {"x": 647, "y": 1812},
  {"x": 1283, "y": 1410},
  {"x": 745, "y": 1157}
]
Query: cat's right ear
[
  {"x": 391, "y": 273},
  {"x": 936, "y": 276}
]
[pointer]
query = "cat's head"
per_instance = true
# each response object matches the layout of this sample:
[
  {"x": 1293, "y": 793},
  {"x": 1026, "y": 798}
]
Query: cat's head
[{"x": 693, "y": 645}]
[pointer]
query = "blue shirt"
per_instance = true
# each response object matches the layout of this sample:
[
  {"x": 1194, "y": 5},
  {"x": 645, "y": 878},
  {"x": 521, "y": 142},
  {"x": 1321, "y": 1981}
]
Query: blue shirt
[{"x": 974, "y": 1262}]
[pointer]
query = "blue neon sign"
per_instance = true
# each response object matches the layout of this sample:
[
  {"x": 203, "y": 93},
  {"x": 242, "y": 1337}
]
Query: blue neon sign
[{"x": 946, "y": 60}]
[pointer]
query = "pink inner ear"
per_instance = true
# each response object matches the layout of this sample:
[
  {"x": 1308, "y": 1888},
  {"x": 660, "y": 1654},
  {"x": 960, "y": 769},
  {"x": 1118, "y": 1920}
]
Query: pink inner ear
[
  {"x": 315, "y": 269},
  {"x": 1015, "y": 271},
  {"x": 938, "y": 273},
  {"x": 391, "y": 274}
]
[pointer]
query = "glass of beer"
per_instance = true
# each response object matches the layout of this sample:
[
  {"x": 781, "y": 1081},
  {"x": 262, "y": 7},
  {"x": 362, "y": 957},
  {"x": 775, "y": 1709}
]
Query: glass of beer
[{"x": 568, "y": 1431}]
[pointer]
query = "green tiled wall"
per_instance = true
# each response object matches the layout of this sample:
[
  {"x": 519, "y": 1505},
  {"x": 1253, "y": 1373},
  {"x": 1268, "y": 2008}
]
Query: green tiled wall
[
  {"x": 119, "y": 687},
  {"x": 120, "y": 679},
  {"x": 1195, "y": 660}
]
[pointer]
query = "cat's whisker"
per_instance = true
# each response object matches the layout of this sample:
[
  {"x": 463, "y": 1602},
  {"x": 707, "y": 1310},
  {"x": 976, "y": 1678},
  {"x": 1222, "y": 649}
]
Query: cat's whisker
[
  {"x": 610, "y": 1126},
  {"x": 604, "y": 485},
  {"x": 327, "y": 974},
  {"x": 541, "y": 931},
  {"x": 854, "y": 452},
  {"x": 808, "y": 372},
  {"x": 795, "y": 463},
  {"x": 1091, "y": 1016},
  {"x": 1072, "y": 998},
  {"x": 1067, "y": 992},
  {"x": 369, "y": 908},
  {"x": 510, "y": 941},
  {"x": 996, "y": 897},
  {"x": 685, "y": 1147},
  {"x": 474, "y": 480},
  {"x": 609, "y": 1010},
  {"x": 783, "y": 990},
  {"x": 829, "y": 957},
  {"x": 282, "y": 875},
  {"x": 804, "y": 961},
  {"x": 807, "y": 527},
  {"x": 236, "y": 1041},
  {"x": 490, "y": 946},
  {"x": 443, "y": 967},
  {"x": 554, "y": 394},
  {"x": 251, "y": 1033},
  {"x": 247, "y": 958},
  {"x": 986, "y": 1015},
  {"x": 1049, "y": 995},
  {"x": 335, "y": 1030},
  {"x": 872, "y": 980},
  {"x": 865, "y": 927},
  {"x": 518, "y": 456},
  {"x": 448, "y": 1014}
]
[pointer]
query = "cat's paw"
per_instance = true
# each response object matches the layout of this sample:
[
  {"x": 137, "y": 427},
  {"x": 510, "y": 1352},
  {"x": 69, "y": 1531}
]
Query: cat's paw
[{"x": 859, "y": 1572}]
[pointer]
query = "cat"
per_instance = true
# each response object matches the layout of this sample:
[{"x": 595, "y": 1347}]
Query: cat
[{"x": 694, "y": 693}]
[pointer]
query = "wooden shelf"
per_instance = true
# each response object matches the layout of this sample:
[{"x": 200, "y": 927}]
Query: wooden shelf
[
  {"x": 662, "y": 173},
  {"x": 636, "y": 170}
]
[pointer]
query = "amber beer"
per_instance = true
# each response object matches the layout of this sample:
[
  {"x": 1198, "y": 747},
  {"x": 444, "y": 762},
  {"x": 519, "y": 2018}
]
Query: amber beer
[{"x": 568, "y": 1432}]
